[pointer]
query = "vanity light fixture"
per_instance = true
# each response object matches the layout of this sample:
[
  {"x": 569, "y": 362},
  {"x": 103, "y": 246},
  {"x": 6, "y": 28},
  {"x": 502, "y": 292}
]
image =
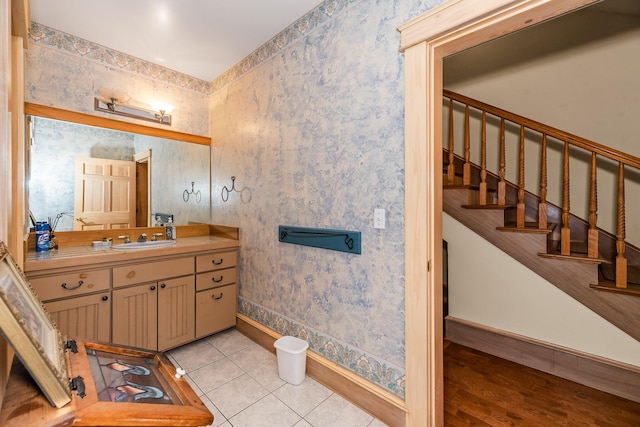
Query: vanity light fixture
[{"x": 118, "y": 103}]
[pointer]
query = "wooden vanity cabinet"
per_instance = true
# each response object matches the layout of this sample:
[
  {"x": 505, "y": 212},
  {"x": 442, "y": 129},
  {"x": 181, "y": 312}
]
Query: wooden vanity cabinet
[
  {"x": 153, "y": 303},
  {"x": 216, "y": 292},
  {"x": 156, "y": 315},
  {"x": 78, "y": 302}
]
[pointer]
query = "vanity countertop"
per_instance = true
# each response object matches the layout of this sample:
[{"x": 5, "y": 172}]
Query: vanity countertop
[{"x": 75, "y": 256}]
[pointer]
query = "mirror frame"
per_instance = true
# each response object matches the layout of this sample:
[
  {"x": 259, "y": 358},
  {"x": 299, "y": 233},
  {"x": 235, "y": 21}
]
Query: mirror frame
[{"x": 31, "y": 109}]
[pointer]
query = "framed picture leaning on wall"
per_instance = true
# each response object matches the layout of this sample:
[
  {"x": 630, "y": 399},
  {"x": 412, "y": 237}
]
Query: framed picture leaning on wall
[{"x": 29, "y": 330}]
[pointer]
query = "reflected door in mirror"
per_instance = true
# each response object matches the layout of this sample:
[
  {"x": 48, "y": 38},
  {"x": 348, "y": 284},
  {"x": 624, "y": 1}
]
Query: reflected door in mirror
[{"x": 104, "y": 194}]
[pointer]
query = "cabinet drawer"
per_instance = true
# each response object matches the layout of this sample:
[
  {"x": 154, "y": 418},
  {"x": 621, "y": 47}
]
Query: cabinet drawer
[
  {"x": 152, "y": 271},
  {"x": 215, "y": 279},
  {"x": 215, "y": 310},
  {"x": 216, "y": 261},
  {"x": 71, "y": 284}
]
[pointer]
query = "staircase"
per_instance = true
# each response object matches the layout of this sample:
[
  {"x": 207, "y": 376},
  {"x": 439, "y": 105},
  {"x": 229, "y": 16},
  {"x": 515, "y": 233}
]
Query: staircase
[{"x": 597, "y": 268}]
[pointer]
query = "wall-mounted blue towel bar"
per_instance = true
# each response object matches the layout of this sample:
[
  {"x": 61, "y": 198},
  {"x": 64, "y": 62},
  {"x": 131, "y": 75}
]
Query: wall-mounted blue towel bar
[{"x": 337, "y": 240}]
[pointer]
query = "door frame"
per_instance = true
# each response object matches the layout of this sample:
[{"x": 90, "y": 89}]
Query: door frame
[
  {"x": 143, "y": 192},
  {"x": 447, "y": 29}
]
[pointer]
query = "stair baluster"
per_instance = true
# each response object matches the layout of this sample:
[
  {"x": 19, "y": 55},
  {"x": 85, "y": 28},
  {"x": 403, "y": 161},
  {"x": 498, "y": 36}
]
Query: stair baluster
[
  {"x": 565, "y": 232},
  {"x": 502, "y": 183},
  {"x": 483, "y": 161},
  {"x": 621, "y": 260},
  {"x": 466, "y": 169},
  {"x": 451, "y": 169},
  {"x": 520, "y": 209},
  {"x": 542, "y": 206},
  {"x": 592, "y": 237}
]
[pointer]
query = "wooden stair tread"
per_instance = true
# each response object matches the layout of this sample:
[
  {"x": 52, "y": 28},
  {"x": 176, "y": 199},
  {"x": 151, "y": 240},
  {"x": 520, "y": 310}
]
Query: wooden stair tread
[
  {"x": 459, "y": 187},
  {"x": 608, "y": 286},
  {"x": 488, "y": 206},
  {"x": 579, "y": 257},
  {"x": 529, "y": 227}
]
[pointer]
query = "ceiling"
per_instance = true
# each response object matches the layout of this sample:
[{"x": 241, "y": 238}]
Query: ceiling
[{"x": 200, "y": 38}]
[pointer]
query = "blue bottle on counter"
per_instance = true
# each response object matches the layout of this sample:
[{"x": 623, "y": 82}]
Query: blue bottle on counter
[{"x": 42, "y": 236}]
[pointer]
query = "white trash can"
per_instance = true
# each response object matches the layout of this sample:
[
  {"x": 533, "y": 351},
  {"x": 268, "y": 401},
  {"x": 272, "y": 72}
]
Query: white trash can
[{"x": 292, "y": 358}]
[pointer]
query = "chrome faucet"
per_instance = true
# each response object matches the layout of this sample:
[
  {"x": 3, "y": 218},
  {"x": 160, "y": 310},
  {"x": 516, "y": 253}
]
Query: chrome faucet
[
  {"x": 142, "y": 238},
  {"x": 127, "y": 239},
  {"x": 155, "y": 236}
]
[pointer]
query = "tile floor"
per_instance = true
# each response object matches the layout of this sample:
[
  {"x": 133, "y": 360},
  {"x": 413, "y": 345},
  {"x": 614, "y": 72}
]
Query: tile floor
[{"x": 238, "y": 381}]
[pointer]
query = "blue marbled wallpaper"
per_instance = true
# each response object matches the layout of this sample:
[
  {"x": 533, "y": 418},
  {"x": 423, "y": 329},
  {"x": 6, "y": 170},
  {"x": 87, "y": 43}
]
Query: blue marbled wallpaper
[
  {"x": 66, "y": 72},
  {"x": 315, "y": 136}
]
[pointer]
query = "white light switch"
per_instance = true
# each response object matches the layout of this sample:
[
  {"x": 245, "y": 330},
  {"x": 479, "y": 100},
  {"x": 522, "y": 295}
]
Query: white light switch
[{"x": 379, "y": 220}]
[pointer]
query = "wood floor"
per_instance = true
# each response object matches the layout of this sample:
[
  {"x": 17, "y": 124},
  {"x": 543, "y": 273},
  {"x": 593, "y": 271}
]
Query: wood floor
[{"x": 483, "y": 390}]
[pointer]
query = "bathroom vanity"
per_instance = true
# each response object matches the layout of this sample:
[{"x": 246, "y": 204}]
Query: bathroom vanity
[{"x": 154, "y": 299}]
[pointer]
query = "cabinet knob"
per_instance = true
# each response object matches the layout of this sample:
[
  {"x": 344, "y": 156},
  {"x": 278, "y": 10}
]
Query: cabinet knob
[
  {"x": 214, "y": 262},
  {"x": 153, "y": 288},
  {"x": 164, "y": 285},
  {"x": 215, "y": 297},
  {"x": 219, "y": 280},
  {"x": 80, "y": 283},
  {"x": 105, "y": 298}
]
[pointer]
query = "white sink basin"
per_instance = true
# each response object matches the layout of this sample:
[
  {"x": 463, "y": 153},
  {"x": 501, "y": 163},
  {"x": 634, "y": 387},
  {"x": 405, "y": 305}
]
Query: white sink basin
[{"x": 144, "y": 245}]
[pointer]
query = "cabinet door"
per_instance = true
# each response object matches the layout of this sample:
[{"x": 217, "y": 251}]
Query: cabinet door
[
  {"x": 176, "y": 319},
  {"x": 135, "y": 316},
  {"x": 215, "y": 310},
  {"x": 87, "y": 317}
]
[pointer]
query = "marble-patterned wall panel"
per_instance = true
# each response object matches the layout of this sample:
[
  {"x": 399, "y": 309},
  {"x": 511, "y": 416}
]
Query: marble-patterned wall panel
[
  {"x": 56, "y": 78},
  {"x": 315, "y": 135}
]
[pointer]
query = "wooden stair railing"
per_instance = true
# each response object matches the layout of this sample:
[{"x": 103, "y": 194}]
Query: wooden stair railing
[{"x": 569, "y": 140}]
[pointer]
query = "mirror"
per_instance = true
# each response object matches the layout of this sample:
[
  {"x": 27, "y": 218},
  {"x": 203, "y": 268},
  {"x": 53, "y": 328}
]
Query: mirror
[{"x": 171, "y": 166}]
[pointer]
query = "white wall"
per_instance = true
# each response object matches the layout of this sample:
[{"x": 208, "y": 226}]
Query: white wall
[{"x": 488, "y": 287}]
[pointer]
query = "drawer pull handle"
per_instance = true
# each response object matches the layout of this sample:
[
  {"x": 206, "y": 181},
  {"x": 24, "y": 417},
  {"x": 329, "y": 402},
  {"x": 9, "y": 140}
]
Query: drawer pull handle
[
  {"x": 215, "y": 297},
  {"x": 104, "y": 298},
  {"x": 164, "y": 285},
  {"x": 153, "y": 288},
  {"x": 80, "y": 283},
  {"x": 214, "y": 262},
  {"x": 219, "y": 280}
]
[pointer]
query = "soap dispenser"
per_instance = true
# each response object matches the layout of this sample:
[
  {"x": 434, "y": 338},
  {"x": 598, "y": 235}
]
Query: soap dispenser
[{"x": 170, "y": 230}]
